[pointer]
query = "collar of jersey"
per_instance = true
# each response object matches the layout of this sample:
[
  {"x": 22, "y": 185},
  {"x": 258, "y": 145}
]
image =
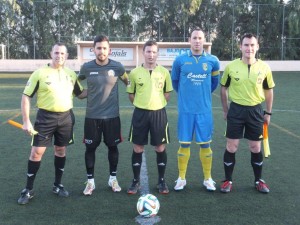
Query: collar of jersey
[{"x": 203, "y": 53}]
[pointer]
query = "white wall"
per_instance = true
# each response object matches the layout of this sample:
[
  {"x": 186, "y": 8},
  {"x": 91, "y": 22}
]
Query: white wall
[{"x": 31, "y": 65}]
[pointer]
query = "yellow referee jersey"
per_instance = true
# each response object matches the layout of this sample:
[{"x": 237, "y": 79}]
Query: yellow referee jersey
[
  {"x": 149, "y": 88},
  {"x": 246, "y": 83},
  {"x": 54, "y": 88}
]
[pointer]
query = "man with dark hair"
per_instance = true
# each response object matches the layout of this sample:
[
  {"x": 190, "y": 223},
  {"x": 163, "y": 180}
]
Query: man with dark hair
[
  {"x": 102, "y": 112},
  {"x": 54, "y": 85},
  {"x": 247, "y": 82},
  {"x": 195, "y": 75},
  {"x": 149, "y": 91}
]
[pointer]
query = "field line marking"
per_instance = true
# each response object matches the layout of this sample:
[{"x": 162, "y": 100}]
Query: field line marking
[
  {"x": 285, "y": 130},
  {"x": 11, "y": 118},
  {"x": 144, "y": 182}
]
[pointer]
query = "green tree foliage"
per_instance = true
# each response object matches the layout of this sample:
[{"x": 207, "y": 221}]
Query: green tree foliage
[
  {"x": 292, "y": 31},
  {"x": 30, "y": 27}
]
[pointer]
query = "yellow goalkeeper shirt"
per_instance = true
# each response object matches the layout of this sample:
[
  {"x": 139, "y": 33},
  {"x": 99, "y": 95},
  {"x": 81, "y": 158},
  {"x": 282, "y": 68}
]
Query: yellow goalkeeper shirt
[
  {"x": 246, "y": 83},
  {"x": 149, "y": 88},
  {"x": 54, "y": 88}
]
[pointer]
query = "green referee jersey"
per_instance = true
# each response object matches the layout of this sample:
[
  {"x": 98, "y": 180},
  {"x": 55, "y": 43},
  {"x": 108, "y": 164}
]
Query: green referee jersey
[
  {"x": 54, "y": 88},
  {"x": 149, "y": 88},
  {"x": 246, "y": 83}
]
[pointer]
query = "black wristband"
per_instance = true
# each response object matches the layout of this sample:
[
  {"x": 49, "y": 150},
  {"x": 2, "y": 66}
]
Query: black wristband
[{"x": 267, "y": 113}]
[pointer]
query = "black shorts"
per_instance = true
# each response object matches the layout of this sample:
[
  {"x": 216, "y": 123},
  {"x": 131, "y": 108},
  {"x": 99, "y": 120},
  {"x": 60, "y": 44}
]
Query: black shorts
[
  {"x": 245, "y": 121},
  {"x": 143, "y": 121},
  {"x": 57, "y": 124},
  {"x": 95, "y": 128}
]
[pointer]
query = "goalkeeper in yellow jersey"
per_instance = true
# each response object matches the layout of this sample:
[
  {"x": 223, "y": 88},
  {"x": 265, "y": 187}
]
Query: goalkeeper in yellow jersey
[{"x": 195, "y": 75}]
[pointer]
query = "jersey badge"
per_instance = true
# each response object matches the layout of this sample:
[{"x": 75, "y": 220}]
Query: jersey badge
[
  {"x": 111, "y": 73},
  {"x": 204, "y": 66}
]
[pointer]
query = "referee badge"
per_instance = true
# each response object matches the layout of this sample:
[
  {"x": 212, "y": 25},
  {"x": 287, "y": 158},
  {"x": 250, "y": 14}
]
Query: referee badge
[{"x": 204, "y": 66}]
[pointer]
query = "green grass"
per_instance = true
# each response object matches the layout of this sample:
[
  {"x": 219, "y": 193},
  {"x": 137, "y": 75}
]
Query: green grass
[{"x": 192, "y": 206}]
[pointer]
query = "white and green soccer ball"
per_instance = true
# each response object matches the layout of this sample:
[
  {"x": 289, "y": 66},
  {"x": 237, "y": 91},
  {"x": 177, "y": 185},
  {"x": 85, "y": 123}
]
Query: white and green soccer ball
[{"x": 148, "y": 205}]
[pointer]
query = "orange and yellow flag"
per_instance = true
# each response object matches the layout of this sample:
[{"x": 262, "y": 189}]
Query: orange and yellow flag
[{"x": 267, "y": 152}]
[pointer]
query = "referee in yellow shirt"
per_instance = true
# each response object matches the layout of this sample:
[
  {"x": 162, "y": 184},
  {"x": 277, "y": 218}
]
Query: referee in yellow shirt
[
  {"x": 247, "y": 82},
  {"x": 54, "y": 85},
  {"x": 149, "y": 90}
]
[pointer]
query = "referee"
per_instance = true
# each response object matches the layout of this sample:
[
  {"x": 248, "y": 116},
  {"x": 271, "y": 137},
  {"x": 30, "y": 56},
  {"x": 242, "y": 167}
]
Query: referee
[
  {"x": 54, "y": 85},
  {"x": 149, "y": 90},
  {"x": 247, "y": 82}
]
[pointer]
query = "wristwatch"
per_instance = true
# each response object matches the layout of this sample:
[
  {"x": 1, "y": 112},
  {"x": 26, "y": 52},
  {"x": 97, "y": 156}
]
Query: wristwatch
[{"x": 268, "y": 113}]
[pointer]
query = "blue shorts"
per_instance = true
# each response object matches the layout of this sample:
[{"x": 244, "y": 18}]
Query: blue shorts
[{"x": 198, "y": 125}]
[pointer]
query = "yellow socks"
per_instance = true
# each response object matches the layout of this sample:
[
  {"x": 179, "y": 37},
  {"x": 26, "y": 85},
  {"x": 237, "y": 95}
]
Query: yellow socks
[
  {"x": 206, "y": 160},
  {"x": 183, "y": 156}
]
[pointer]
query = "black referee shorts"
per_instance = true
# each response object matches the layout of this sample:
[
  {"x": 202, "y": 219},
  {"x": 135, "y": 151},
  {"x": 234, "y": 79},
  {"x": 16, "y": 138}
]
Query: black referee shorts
[
  {"x": 57, "y": 124},
  {"x": 153, "y": 121},
  {"x": 245, "y": 122}
]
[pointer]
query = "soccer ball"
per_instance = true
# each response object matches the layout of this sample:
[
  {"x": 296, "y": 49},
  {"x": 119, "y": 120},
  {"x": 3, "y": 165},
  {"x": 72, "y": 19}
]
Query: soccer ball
[{"x": 148, "y": 205}]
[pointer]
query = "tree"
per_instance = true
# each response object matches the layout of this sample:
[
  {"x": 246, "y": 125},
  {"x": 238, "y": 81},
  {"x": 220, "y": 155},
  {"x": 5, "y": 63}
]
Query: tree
[
  {"x": 30, "y": 27},
  {"x": 292, "y": 32}
]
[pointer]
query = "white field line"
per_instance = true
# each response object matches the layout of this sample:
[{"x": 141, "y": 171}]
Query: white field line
[{"x": 144, "y": 182}]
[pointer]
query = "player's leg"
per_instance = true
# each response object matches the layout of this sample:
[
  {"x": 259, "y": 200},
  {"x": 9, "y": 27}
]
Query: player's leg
[
  {"x": 254, "y": 133},
  {"x": 44, "y": 124},
  {"x": 229, "y": 163},
  {"x": 203, "y": 136},
  {"x": 205, "y": 155},
  {"x": 183, "y": 156},
  {"x": 138, "y": 135},
  {"x": 159, "y": 132},
  {"x": 112, "y": 137},
  {"x": 33, "y": 166},
  {"x": 257, "y": 165},
  {"x": 63, "y": 136},
  {"x": 136, "y": 163},
  {"x": 92, "y": 139},
  {"x": 59, "y": 165},
  {"x": 234, "y": 131},
  {"x": 185, "y": 129}
]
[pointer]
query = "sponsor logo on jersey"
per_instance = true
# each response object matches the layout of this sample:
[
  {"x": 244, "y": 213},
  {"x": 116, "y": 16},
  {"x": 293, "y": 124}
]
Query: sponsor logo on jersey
[
  {"x": 93, "y": 73},
  {"x": 197, "y": 79},
  {"x": 196, "y": 76}
]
